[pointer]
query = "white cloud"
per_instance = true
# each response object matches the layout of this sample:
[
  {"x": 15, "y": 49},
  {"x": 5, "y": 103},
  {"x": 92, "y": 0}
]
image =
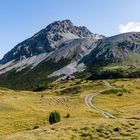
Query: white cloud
[{"x": 129, "y": 27}]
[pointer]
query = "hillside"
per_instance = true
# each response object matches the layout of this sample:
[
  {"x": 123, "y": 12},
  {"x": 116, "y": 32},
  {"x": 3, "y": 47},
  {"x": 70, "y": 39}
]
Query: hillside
[
  {"x": 24, "y": 114},
  {"x": 123, "y": 49}
]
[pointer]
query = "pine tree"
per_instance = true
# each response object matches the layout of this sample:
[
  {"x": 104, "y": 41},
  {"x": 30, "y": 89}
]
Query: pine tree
[{"x": 54, "y": 117}]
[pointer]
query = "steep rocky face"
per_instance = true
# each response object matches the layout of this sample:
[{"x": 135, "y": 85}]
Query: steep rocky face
[
  {"x": 74, "y": 49},
  {"x": 47, "y": 40}
]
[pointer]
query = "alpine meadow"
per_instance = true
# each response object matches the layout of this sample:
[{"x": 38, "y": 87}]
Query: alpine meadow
[{"x": 66, "y": 81}]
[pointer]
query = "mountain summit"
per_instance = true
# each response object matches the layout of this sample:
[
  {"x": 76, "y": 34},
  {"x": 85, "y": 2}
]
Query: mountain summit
[{"x": 47, "y": 40}]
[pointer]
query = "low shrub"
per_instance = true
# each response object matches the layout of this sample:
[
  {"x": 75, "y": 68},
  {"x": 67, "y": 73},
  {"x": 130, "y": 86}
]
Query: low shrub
[
  {"x": 35, "y": 127},
  {"x": 54, "y": 117},
  {"x": 118, "y": 92},
  {"x": 44, "y": 87},
  {"x": 67, "y": 116},
  {"x": 71, "y": 90}
]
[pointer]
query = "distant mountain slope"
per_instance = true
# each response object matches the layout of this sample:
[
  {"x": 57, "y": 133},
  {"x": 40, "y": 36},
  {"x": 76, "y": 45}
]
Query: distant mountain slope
[
  {"x": 124, "y": 48},
  {"x": 115, "y": 57}
]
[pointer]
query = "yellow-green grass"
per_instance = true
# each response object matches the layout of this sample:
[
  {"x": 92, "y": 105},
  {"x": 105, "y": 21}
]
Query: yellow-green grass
[
  {"x": 125, "y": 106},
  {"x": 25, "y": 110},
  {"x": 24, "y": 114},
  {"x": 83, "y": 129}
]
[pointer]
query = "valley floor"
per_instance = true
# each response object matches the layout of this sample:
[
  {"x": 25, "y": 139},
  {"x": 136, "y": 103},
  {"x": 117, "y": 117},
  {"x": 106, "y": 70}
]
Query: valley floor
[{"x": 24, "y": 114}]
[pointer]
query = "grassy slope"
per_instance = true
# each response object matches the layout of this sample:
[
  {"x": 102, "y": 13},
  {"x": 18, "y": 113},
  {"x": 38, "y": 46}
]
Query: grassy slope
[
  {"x": 127, "y": 105},
  {"x": 28, "y": 79},
  {"x": 103, "y": 70},
  {"x": 83, "y": 129},
  {"x": 21, "y": 111}
]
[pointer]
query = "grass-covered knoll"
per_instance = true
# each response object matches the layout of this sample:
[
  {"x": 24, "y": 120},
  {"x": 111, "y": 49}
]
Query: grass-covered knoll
[
  {"x": 118, "y": 92},
  {"x": 125, "y": 106},
  {"x": 70, "y": 90},
  {"x": 105, "y": 71}
]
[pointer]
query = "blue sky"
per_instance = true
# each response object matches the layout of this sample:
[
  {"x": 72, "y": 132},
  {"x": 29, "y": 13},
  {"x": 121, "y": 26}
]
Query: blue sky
[{"x": 20, "y": 19}]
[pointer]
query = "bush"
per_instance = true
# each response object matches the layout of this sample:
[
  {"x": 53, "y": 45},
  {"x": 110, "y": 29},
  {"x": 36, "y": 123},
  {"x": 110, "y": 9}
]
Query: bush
[
  {"x": 54, "y": 117},
  {"x": 40, "y": 88},
  {"x": 78, "y": 82},
  {"x": 67, "y": 116},
  {"x": 42, "y": 96},
  {"x": 71, "y": 90},
  {"x": 35, "y": 127},
  {"x": 118, "y": 92},
  {"x": 43, "y": 87}
]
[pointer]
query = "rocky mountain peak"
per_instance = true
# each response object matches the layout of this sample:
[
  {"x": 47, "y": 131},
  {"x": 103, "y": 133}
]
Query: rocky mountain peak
[
  {"x": 66, "y": 26},
  {"x": 58, "y": 25},
  {"x": 47, "y": 40}
]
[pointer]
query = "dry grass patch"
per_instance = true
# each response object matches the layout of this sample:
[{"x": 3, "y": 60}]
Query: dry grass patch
[
  {"x": 26, "y": 110},
  {"x": 124, "y": 106},
  {"x": 83, "y": 129}
]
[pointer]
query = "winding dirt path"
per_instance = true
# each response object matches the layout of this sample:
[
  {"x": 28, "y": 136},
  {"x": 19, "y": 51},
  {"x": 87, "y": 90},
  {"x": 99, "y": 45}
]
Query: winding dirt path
[{"x": 89, "y": 98}]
